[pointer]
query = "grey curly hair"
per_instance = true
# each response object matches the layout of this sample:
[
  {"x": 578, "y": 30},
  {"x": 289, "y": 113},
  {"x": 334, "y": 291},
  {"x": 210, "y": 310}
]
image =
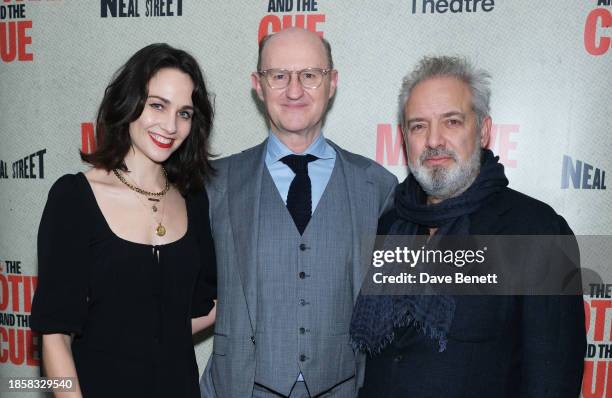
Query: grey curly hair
[{"x": 444, "y": 66}]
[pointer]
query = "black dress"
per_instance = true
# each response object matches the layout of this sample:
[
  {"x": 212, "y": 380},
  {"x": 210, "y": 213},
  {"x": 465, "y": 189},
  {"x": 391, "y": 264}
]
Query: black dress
[{"x": 129, "y": 305}]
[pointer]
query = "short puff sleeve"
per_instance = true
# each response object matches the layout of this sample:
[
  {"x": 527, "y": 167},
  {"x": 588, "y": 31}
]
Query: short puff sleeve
[
  {"x": 206, "y": 286},
  {"x": 60, "y": 301}
]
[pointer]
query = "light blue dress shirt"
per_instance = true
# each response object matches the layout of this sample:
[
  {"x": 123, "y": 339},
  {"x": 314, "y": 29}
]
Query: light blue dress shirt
[{"x": 319, "y": 171}]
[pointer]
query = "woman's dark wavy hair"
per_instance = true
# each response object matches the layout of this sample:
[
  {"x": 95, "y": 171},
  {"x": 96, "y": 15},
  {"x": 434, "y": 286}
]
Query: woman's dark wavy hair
[{"x": 124, "y": 101}]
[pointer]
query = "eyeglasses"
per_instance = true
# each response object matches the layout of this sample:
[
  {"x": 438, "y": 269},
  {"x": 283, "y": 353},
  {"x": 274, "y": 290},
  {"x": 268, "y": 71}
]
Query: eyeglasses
[{"x": 280, "y": 78}]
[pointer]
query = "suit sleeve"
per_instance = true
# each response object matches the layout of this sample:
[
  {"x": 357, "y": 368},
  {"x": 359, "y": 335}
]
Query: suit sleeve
[
  {"x": 554, "y": 337},
  {"x": 206, "y": 285}
]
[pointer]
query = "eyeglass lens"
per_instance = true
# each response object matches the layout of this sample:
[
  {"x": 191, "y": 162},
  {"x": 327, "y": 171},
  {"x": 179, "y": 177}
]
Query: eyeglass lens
[{"x": 279, "y": 78}]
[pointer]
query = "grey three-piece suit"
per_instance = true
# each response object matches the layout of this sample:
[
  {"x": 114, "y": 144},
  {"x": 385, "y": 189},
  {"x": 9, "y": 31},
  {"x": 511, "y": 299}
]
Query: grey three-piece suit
[{"x": 285, "y": 299}]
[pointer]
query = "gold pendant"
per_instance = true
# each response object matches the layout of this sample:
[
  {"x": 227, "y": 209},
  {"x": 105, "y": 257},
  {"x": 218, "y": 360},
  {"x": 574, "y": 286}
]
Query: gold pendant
[{"x": 161, "y": 231}]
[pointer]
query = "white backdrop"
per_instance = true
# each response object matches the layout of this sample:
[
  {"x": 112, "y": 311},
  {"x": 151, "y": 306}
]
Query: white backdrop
[{"x": 550, "y": 62}]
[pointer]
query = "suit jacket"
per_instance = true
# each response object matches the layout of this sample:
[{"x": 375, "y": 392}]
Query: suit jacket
[
  {"x": 498, "y": 346},
  {"x": 234, "y": 195}
]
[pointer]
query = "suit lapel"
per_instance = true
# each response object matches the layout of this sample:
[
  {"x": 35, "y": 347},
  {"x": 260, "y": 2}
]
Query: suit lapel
[
  {"x": 244, "y": 193},
  {"x": 361, "y": 196}
]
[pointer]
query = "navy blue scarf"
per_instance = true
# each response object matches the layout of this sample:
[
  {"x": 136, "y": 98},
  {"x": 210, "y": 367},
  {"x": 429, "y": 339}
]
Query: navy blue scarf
[{"x": 376, "y": 316}]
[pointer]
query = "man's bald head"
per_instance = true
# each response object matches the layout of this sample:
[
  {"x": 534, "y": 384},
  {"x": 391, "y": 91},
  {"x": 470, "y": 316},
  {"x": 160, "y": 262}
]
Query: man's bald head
[
  {"x": 295, "y": 109},
  {"x": 294, "y": 34}
]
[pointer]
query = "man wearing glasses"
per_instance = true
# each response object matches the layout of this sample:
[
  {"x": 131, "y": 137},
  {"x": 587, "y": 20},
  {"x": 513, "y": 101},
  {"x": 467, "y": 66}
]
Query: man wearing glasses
[{"x": 291, "y": 218}]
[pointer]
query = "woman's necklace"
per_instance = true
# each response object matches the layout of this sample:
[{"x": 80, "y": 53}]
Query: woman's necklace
[{"x": 155, "y": 197}]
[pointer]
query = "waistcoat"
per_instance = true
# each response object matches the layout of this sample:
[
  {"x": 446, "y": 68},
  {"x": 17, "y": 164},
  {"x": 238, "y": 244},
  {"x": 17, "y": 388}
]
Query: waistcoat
[{"x": 305, "y": 297}]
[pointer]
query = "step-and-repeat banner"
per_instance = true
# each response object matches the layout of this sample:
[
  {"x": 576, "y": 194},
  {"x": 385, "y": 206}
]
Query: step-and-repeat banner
[{"x": 550, "y": 61}]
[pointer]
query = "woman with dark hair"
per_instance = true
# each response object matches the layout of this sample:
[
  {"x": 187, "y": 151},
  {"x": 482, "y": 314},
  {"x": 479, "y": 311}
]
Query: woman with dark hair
[{"x": 126, "y": 259}]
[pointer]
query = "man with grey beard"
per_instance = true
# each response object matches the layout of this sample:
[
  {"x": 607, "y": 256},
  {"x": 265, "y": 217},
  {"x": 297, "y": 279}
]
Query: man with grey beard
[{"x": 443, "y": 345}]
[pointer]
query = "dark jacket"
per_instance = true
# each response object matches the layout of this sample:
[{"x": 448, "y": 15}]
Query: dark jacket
[{"x": 498, "y": 346}]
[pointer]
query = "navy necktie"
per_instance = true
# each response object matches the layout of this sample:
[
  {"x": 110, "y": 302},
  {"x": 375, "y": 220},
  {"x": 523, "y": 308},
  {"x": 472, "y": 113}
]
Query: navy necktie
[{"x": 299, "y": 197}]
